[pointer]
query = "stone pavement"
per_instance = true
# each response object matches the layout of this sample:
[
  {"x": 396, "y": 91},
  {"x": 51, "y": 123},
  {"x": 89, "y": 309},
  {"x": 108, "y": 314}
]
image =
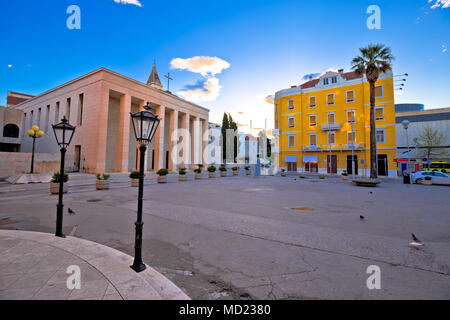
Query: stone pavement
[{"x": 34, "y": 266}]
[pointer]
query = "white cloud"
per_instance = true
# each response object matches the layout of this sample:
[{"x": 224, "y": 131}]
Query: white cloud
[
  {"x": 9, "y": 65},
  {"x": 135, "y": 2},
  {"x": 206, "y": 90},
  {"x": 444, "y": 48},
  {"x": 440, "y": 3},
  {"x": 270, "y": 99},
  {"x": 201, "y": 64}
]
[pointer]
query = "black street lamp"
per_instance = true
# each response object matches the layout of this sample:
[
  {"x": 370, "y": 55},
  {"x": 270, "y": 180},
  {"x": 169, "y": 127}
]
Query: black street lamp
[
  {"x": 63, "y": 134},
  {"x": 145, "y": 124}
]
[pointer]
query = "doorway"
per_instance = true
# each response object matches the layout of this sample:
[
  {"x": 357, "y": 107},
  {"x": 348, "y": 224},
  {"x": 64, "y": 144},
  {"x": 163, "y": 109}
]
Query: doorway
[
  {"x": 349, "y": 164},
  {"x": 77, "y": 158},
  {"x": 331, "y": 164},
  {"x": 291, "y": 166},
  {"x": 311, "y": 167},
  {"x": 382, "y": 165}
]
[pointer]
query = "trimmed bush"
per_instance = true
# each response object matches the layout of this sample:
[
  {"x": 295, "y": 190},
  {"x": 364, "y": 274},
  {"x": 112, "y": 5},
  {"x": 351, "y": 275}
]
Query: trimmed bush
[
  {"x": 103, "y": 176},
  {"x": 134, "y": 175},
  {"x": 162, "y": 172},
  {"x": 212, "y": 169},
  {"x": 57, "y": 177}
]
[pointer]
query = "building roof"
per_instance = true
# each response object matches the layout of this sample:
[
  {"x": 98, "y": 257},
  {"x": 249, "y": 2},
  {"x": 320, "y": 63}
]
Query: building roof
[
  {"x": 153, "y": 79},
  {"x": 348, "y": 76},
  {"x": 14, "y": 98},
  {"x": 424, "y": 115}
]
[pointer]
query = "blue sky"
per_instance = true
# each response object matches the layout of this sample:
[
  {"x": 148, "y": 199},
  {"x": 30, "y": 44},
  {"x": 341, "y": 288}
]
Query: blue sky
[{"x": 261, "y": 46}]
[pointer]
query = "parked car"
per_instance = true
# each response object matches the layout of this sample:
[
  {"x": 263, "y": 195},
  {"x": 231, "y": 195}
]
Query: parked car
[{"x": 436, "y": 177}]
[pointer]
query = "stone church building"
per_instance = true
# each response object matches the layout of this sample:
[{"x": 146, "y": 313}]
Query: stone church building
[{"x": 99, "y": 105}]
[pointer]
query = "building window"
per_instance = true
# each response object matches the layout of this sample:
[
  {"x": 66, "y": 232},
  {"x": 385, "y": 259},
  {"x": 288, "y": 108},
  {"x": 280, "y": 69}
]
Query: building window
[
  {"x": 380, "y": 135},
  {"x": 291, "y": 140},
  {"x": 80, "y": 109},
  {"x": 291, "y": 123},
  {"x": 276, "y": 123},
  {"x": 312, "y": 102},
  {"x": 379, "y": 92},
  {"x": 11, "y": 131},
  {"x": 276, "y": 107},
  {"x": 330, "y": 99},
  {"x": 331, "y": 138},
  {"x": 291, "y": 104},
  {"x": 68, "y": 109},
  {"x": 39, "y": 117},
  {"x": 56, "y": 120},
  {"x": 31, "y": 118},
  {"x": 312, "y": 120},
  {"x": 330, "y": 117},
  {"x": 379, "y": 113},
  {"x": 350, "y": 96},
  {"x": 351, "y": 137},
  {"x": 351, "y": 116},
  {"x": 334, "y": 79},
  {"x": 312, "y": 139},
  {"x": 325, "y": 81},
  {"x": 47, "y": 115}
]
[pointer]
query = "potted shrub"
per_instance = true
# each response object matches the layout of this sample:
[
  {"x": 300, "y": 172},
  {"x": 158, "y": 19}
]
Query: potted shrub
[
  {"x": 235, "y": 171},
  {"x": 212, "y": 171},
  {"x": 344, "y": 175},
  {"x": 102, "y": 182},
  {"x": 54, "y": 183},
  {"x": 302, "y": 175},
  {"x": 247, "y": 170},
  {"x": 198, "y": 173},
  {"x": 162, "y": 175},
  {"x": 223, "y": 171},
  {"x": 427, "y": 181},
  {"x": 182, "y": 174},
  {"x": 134, "y": 176},
  {"x": 283, "y": 172},
  {"x": 321, "y": 176}
]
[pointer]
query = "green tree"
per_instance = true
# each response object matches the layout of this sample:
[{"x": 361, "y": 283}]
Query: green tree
[
  {"x": 374, "y": 60},
  {"x": 225, "y": 126},
  {"x": 234, "y": 127}
]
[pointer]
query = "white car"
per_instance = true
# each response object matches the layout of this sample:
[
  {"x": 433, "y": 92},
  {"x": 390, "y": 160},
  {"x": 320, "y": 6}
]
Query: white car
[{"x": 436, "y": 177}]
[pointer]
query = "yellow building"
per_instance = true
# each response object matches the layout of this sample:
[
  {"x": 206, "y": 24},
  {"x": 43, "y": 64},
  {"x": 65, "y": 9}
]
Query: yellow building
[{"x": 321, "y": 121}]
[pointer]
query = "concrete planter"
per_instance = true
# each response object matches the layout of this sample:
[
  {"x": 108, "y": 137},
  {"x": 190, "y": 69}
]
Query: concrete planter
[
  {"x": 235, "y": 173},
  {"x": 102, "y": 184},
  {"x": 301, "y": 175},
  {"x": 247, "y": 172},
  {"x": 181, "y": 177},
  {"x": 321, "y": 176},
  {"x": 426, "y": 182},
  {"x": 211, "y": 174},
  {"x": 223, "y": 173},
  {"x": 283, "y": 174},
  {"x": 197, "y": 176},
  {"x": 135, "y": 182},
  {"x": 366, "y": 182},
  {"x": 54, "y": 187},
  {"x": 162, "y": 179},
  {"x": 344, "y": 177}
]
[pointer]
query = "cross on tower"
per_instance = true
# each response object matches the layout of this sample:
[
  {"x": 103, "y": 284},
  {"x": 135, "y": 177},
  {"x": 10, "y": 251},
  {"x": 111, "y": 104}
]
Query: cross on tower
[{"x": 168, "y": 80}]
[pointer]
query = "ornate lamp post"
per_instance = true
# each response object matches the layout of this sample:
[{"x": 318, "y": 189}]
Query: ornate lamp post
[
  {"x": 145, "y": 124},
  {"x": 34, "y": 133},
  {"x": 405, "y": 124},
  {"x": 63, "y": 134}
]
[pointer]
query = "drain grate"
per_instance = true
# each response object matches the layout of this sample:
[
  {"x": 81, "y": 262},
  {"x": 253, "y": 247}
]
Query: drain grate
[{"x": 94, "y": 200}]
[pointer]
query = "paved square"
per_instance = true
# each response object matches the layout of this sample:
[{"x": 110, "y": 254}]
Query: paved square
[{"x": 261, "y": 238}]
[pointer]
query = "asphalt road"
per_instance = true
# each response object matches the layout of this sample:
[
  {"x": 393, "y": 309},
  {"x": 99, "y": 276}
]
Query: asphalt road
[{"x": 261, "y": 238}]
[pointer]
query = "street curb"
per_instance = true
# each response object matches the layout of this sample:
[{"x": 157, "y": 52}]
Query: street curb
[{"x": 112, "y": 264}]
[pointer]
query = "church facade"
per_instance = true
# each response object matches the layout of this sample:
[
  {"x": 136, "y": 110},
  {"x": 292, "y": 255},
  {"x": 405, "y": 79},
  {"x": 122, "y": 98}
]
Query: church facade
[{"x": 99, "y": 105}]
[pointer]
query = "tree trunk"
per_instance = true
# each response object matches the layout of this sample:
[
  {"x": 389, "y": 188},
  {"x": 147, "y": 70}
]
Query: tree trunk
[{"x": 373, "y": 137}]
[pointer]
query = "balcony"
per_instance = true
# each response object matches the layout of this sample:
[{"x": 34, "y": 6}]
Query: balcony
[
  {"x": 334, "y": 147},
  {"x": 331, "y": 126}
]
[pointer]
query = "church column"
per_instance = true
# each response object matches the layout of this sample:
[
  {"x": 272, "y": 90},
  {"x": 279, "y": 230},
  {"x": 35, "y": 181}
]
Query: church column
[
  {"x": 197, "y": 141},
  {"x": 102, "y": 129},
  {"x": 204, "y": 138},
  {"x": 159, "y": 142},
  {"x": 173, "y": 136},
  {"x": 124, "y": 132},
  {"x": 186, "y": 141}
]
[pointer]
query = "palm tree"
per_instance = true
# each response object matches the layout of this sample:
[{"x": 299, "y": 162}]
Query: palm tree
[{"x": 374, "y": 60}]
